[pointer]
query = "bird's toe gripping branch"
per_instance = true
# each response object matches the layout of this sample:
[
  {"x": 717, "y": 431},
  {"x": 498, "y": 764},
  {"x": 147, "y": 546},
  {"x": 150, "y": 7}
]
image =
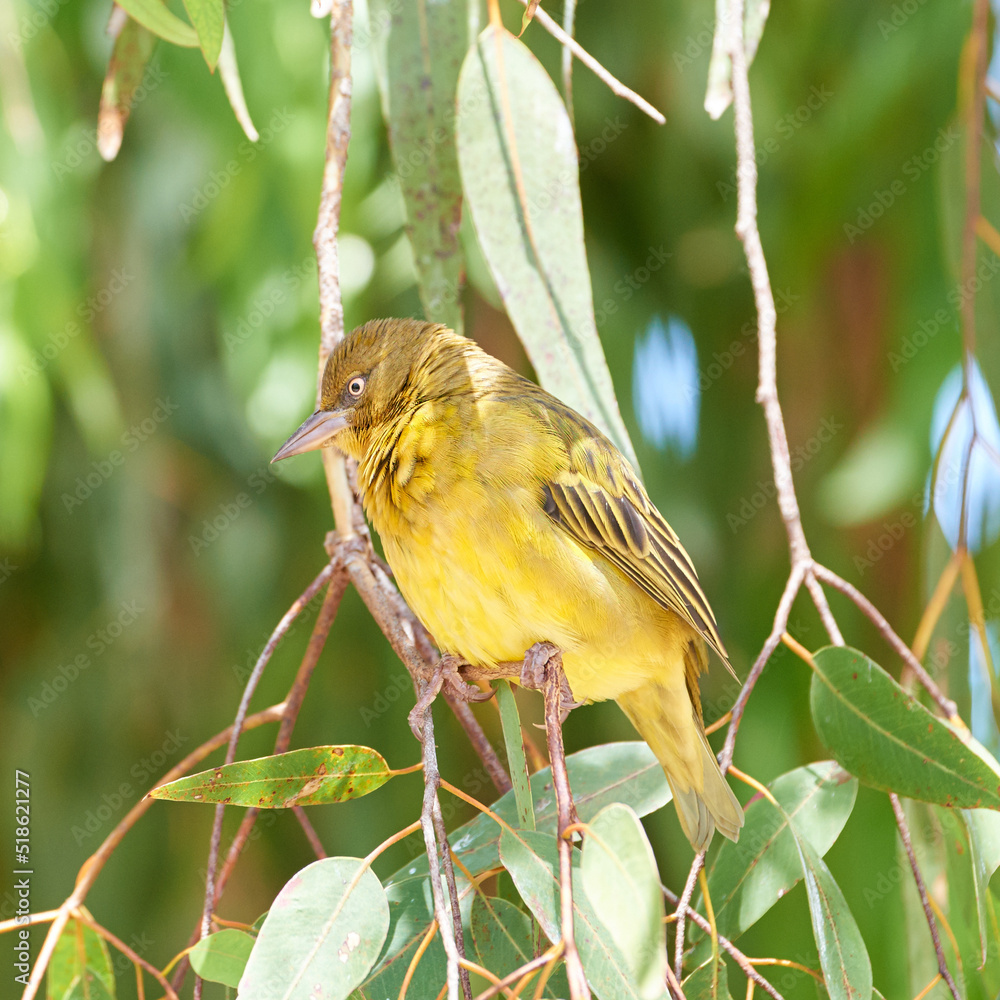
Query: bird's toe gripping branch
[{"x": 540, "y": 663}]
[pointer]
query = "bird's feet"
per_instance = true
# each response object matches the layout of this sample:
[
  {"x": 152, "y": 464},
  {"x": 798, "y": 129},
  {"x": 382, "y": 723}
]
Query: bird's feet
[
  {"x": 455, "y": 684},
  {"x": 446, "y": 677},
  {"x": 539, "y": 662}
]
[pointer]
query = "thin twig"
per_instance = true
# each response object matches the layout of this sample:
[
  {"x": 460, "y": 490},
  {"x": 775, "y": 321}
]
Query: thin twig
[
  {"x": 617, "y": 87},
  {"x": 904, "y": 833},
  {"x": 514, "y": 976},
  {"x": 569, "y": 16},
  {"x": 449, "y": 924},
  {"x": 578, "y": 989},
  {"x": 251, "y": 686},
  {"x": 770, "y": 645},
  {"x": 819, "y": 599},
  {"x": 92, "y": 867},
  {"x": 331, "y": 309},
  {"x": 310, "y": 831},
  {"x": 683, "y": 906},
  {"x": 738, "y": 956},
  {"x": 130, "y": 953},
  {"x": 947, "y": 706}
]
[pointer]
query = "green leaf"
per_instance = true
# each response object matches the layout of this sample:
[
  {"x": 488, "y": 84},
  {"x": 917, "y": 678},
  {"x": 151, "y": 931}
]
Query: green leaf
[
  {"x": 521, "y": 179},
  {"x": 502, "y": 935},
  {"x": 306, "y": 777},
  {"x": 842, "y": 953},
  {"x": 627, "y": 772},
  {"x": 132, "y": 49},
  {"x": 533, "y": 862},
  {"x": 229, "y": 73},
  {"x": 982, "y": 831},
  {"x": 221, "y": 957},
  {"x": 747, "y": 878},
  {"x": 510, "y": 721},
  {"x": 890, "y": 741},
  {"x": 719, "y": 95},
  {"x": 89, "y": 986},
  {"x": 209, "y": 20},
  {"x": 80, "y": 956},
  {"x": 157, "y": 18},
  {"x": 326, "y": 926},
  {"x": 710, "y": 981},
  {"x": 422, "y": 47},
  {"x": 623, "y": 884}
]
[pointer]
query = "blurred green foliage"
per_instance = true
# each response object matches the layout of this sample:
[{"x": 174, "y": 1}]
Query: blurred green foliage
[{"x": 158, "y": 336}]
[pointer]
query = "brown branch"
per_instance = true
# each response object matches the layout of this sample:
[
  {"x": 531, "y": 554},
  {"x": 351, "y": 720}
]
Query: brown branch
[
  {"x": 569, "y": 17},
  {"x": 947, "y": 706},
  {"x": 738, "y": 956},
  {"x": 130, "y": 953},
  {"x": 241, "y": 713},
  {"x": 904, "y": 833},
  {"x": 554, "y": 682},
  {"x": 92, "y": 867},
  {"x": 770, "y": 645},
  {"x": 617, "y": 87},
  {"x": 331, "y": 309},
  {"x": 681, "y": 912},
  {"x": 431, "y": 821}
]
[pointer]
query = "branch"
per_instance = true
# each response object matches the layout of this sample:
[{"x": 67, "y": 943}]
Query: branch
[
  {"x": 617, "y": 87},
  {"x": 682, "y": 908},
  {"x": 554, "y": 682},
  {"x": 431, "y": 822},
  {"x": 738, "y": 956},
  {"x": 237, "y": 728},
  {"x": 947, "y": 706},
  {"x": 904, "y": 833}
]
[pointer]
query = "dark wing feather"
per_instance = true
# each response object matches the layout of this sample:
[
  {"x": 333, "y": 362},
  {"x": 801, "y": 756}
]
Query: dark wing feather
[{"x": 598, "y": 501}]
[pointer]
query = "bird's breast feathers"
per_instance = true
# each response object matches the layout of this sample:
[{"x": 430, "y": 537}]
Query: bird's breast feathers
[{"x": 461, "y": 514}]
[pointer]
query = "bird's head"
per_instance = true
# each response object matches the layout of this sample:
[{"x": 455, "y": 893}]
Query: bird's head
[{"x": 375, "y": 374}]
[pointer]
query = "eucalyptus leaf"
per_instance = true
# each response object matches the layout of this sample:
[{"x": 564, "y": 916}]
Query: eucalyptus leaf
[
  {"x": 305, "y": 777},
  {"x": 520, "y": 174},
  {"x": 710, "y": 981},
  {"x": 532, "y": 859},
  {"x": 156, "y": 17},
  {"x": 80, "y": 956},
  {"x": 746, "y": 878},
  {"x": 719, "y": 94},
  {"x": 327, "y": 925},
  {"x": 422, "y": 45},
  {"x": 600, "y": 775},
  {"x": 510, "y": 722},
  {"x": 623, "y": 885},
  {"x": 890, "y": 741},
  {"x": 209, "y": 20},
  {"x": 842, "y": 952},
  {"x": 222, "y": 957},
  {"x": 502, "y": 934}
]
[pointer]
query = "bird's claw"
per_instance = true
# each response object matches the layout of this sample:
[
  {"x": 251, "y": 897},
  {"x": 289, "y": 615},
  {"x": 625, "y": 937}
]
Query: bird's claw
[
  {"x": 451, "y": 666},
  {"x": 539, "y": 662}
]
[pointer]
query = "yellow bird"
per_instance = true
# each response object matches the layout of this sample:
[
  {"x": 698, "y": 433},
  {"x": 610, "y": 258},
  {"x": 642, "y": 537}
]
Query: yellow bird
[{"x": 508, "y": 519}]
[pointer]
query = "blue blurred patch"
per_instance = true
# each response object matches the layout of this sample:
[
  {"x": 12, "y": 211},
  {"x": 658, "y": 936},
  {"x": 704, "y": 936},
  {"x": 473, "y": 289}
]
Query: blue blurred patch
[
  {"x": 984, "y": 724},
  {"x": 968, "y": 467},
  {"x": 665, "y": 390}
]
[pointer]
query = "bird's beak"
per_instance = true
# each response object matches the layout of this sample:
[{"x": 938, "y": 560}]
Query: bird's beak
[{"x": 317, "y": 431}]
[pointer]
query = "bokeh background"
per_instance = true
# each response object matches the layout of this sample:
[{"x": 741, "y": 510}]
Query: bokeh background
[{"x": 158, "y": 337}]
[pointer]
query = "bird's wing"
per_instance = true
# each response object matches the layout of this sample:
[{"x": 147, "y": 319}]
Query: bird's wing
[{"x": 600, "y": 503}]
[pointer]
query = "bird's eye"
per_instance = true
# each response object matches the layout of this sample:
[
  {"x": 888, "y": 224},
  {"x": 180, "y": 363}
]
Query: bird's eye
[{"x": 356, "y": 386}]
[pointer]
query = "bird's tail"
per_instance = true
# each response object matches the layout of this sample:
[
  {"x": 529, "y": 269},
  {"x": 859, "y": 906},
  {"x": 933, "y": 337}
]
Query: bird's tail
[{"x": 668, "y": 721}]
